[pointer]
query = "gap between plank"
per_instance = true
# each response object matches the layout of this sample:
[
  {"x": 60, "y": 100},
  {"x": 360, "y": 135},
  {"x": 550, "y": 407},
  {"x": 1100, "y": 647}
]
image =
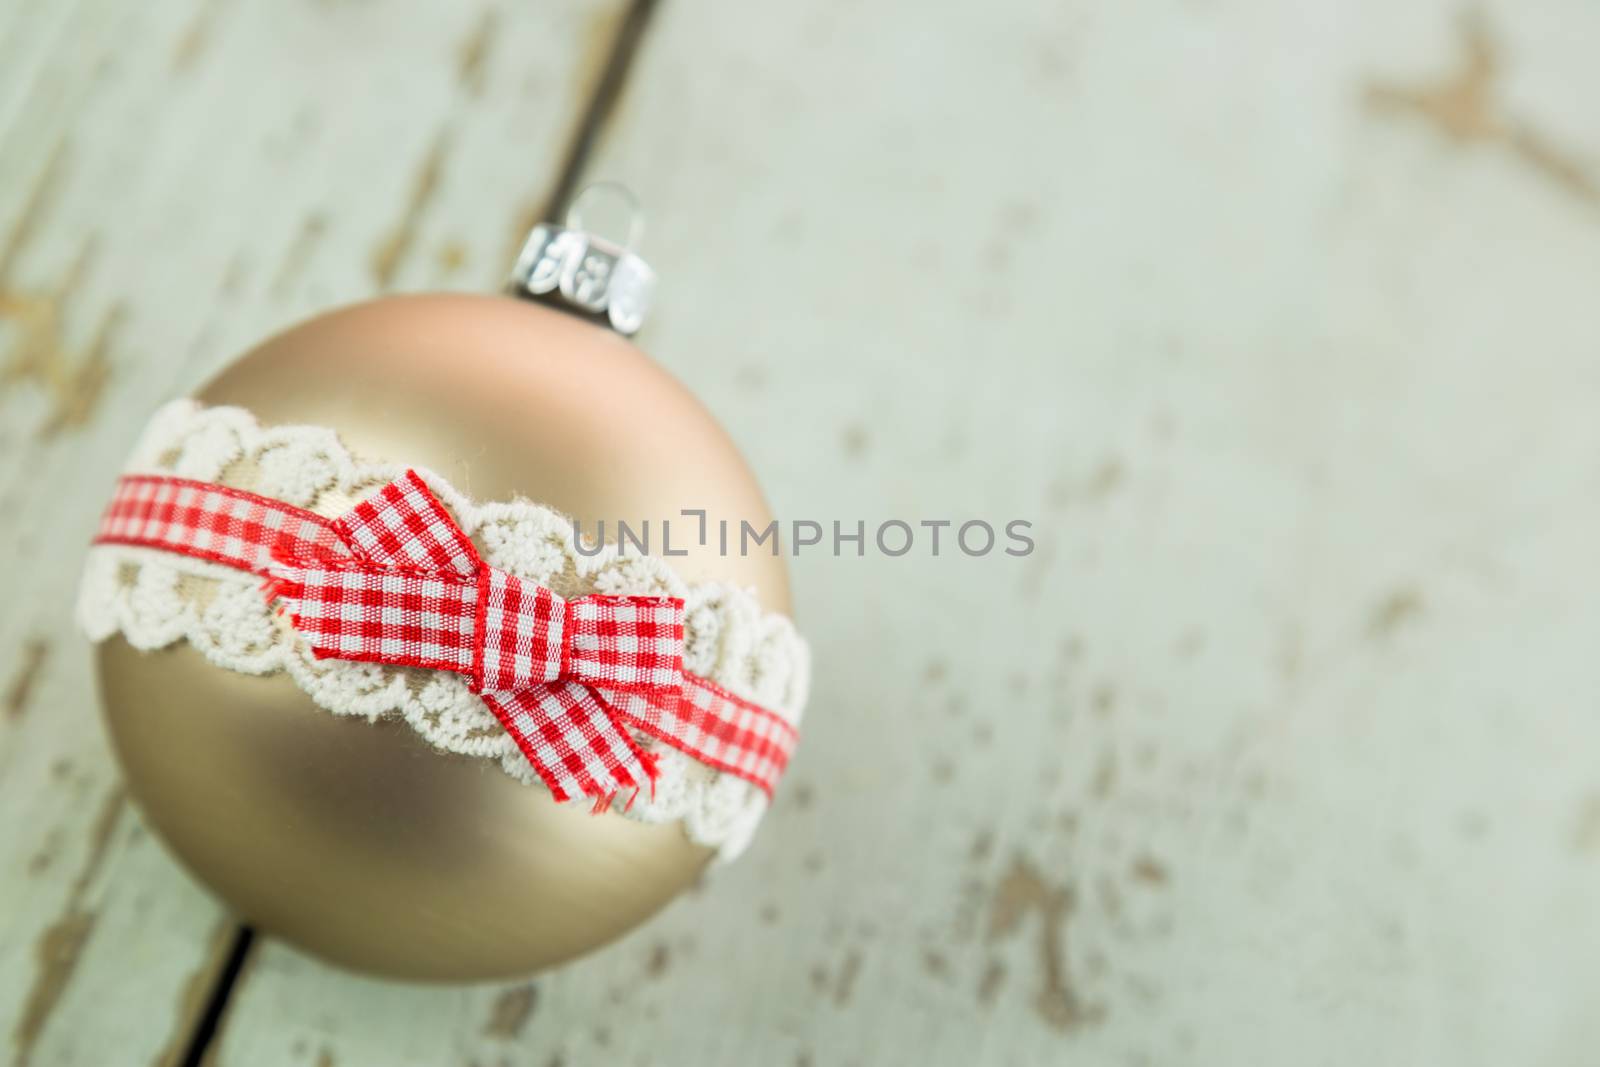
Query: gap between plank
[
  {"x": 205, "y": 1027},
  {"x": 613, "y": 80}
]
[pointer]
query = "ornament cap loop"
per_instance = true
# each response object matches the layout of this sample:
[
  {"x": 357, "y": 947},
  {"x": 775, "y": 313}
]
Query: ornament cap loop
[
  {"x": 569, "y": 267},
  {"x": 617, "y": 190}
]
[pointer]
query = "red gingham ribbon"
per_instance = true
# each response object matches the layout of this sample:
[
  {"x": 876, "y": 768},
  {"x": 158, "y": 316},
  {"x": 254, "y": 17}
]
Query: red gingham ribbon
[{"x": 396, "y": 581}]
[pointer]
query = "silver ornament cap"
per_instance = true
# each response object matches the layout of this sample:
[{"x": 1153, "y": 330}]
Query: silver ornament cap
[{"x": 571, "y": 267}]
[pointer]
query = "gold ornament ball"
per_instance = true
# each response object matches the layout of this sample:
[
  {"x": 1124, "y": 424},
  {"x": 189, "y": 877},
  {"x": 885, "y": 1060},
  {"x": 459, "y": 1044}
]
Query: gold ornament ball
[{"x": 355, "y": 840}]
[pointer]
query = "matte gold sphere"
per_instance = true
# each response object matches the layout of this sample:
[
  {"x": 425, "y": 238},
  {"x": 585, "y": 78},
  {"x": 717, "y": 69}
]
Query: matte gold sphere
[{"x": 358, "y": 841}]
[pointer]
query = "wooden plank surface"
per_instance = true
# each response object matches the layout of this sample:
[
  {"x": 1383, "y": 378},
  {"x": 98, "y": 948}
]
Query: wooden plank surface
[
  {"x": 1275, "y": 319},
  {"x": 176, "y": 181}
]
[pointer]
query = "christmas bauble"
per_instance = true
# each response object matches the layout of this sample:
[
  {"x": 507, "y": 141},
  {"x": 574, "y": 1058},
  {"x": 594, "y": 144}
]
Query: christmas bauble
[{"x": 356, "y": 840}]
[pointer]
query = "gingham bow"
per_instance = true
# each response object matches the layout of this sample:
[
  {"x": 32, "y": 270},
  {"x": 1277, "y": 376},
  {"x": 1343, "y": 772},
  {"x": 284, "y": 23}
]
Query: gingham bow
[
  {"x": 405, "y": 586},
  {"x": 396, "y": 581}
]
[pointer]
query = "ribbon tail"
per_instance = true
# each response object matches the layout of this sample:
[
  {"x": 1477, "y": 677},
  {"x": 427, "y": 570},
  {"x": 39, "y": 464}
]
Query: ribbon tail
[
  {"x": 574, "y": 740},
  {"x": 713, "y": 726}
]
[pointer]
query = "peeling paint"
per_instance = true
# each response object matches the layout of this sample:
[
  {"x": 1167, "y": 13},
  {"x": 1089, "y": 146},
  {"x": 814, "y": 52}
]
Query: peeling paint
[
  {"x": 56, "y": 955},
  {"x": 473, "y": 55},
  {"x": 511, "y": 1012},
  {"x": 845, "y": 985},
  {"x": 1393, "y": 611},
  {"x": 60, "y": 945},
  {"x": 196, "y": 992},
  {"x": 195, "y": 38},
  {"x": 994, "y": 976},
  {"x": 854, "y": 441},
  {"x": 1586, "y": 832},
  {"x": 34, "y": 655},
  {"x": 451, "y": 257},
  {"x": 1463, "y": 107},
  {"x": 1150, "y": 870},
  {"x": 40, "y": 353},
  {"x": 306, "y": 239},
  {"x": 1021, "y": 891},
  {"x": 390, "y": 252}
]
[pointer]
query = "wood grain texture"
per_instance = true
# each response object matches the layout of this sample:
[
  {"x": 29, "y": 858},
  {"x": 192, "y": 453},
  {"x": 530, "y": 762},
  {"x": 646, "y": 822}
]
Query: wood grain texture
[
  {"x": 1276, "y": 320},
  {"x": 1279, "y": 748},
  {"x": 176, "y": 181}
]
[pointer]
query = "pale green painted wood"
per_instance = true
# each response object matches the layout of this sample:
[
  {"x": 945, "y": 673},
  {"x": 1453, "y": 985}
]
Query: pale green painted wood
[{"x": 1280, "y": 748}]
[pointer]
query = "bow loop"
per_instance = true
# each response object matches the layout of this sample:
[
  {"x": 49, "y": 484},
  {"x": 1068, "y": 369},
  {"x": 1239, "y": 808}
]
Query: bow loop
[{"x": 404, "y": 524}]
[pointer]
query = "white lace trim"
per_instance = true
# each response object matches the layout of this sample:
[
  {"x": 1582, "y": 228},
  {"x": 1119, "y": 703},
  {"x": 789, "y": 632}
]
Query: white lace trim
[{"x": 155, "y": 598}]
